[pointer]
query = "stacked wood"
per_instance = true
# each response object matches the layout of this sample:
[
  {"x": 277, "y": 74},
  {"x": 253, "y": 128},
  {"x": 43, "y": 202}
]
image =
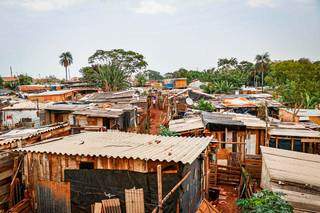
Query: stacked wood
[
  {"x": 228, "y": 175},
  {"x": 253, "y": 165},
  {"x": 106, "y": 206},
  {"x": 24, "y": 206},
  {"x": 206, "y": 207}
]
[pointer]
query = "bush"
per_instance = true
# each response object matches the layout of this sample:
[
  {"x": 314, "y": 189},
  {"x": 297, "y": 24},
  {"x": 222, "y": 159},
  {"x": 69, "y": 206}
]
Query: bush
[
  {"x": 265, "y": 201},
  {"x": 205, "y": 106},
  {"x": 164, "y": 131}
]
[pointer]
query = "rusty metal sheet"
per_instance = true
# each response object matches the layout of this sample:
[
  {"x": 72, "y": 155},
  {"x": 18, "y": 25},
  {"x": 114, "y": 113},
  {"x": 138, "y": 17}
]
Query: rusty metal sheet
[
  {"x": 134, "y": 200},
  {"x": 53, "y": 197}
]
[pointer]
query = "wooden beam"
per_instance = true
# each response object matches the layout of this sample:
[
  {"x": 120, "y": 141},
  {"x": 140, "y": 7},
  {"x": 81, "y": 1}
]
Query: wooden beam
[
  {"x": 175, "y": 187},
  {"x": 159, "y": 183}
]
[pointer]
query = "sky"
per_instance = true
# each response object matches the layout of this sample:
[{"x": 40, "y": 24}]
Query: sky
[{"x": 171, "y": 34}]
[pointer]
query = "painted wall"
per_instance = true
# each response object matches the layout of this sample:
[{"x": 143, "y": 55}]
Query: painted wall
[{"x": 13, "y": 117}]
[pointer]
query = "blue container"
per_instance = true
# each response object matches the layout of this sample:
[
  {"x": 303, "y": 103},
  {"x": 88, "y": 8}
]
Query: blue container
[{"x": 168, "y": 86}]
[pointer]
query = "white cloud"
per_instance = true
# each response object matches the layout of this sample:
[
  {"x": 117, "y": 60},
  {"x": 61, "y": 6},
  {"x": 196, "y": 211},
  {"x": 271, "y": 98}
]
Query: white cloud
[
  {"x": 152, "y": 7},
  {"x": 43, "y": 5},
  {"x": 261, "y": 3}
]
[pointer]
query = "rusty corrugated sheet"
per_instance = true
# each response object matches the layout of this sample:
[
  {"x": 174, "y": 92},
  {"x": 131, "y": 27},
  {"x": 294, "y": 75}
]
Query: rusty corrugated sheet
[
  {"x": 111, "y": 206},
  {"x": 53, "y": 197},
  {"x": 134, "y": 200}
]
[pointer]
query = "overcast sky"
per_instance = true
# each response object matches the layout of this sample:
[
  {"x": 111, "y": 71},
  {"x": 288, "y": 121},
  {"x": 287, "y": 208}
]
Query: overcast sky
[{"x": 169, "y": 33}]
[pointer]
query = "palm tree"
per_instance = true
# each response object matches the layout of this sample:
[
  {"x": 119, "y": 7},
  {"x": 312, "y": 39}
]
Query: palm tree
[
  {"x": 66, "y": 60},
  {"x": 262, "y": 64},
  {"x": 111, "y": 77}
]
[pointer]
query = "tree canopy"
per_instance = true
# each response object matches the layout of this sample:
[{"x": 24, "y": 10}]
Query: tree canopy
[
  {"x": 128, "y": 61},
  {"x": 296, "y": 82}
]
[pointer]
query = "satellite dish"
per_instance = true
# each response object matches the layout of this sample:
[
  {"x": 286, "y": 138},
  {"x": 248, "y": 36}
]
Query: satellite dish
[{"x": 189, "y": 101}]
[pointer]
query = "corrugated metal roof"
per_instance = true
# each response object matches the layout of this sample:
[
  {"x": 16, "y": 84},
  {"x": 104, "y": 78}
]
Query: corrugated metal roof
[
  {"x": 20, "y": 134},
  {"x": 126, "y": 145},
  {"x": 233, "y": 119},
  {"x": 25, "y": 105},
  {"x": 186, "y": 124},
  {"x": 291, "y": 166},
  {"x": 304, "y": 133},
  {"x": 58, "y": 92},
  {"x": 66, "y": 106},
  {"x": 304, "y": 112},
  {"x": 107, "y": 113}
]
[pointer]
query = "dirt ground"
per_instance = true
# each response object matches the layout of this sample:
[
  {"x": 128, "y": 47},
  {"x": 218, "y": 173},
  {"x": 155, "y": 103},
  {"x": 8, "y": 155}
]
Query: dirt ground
[
  {"x": 227, "y": 200},
  {"x": 157, "y": 117}
]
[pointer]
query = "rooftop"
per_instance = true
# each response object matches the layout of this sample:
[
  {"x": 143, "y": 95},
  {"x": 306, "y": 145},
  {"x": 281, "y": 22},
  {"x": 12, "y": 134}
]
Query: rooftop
[
  {"x": 304, "y": 112},
  {"x": 48, "y": 93},
  {"x": 186, "y": 124},
  {"x": 232, "y": 119},
  {"x": 20, "y": 134},
  {"x": 66, "y": 106},
  {"x": 25, "y": 105},
  {"x": 126, "y": 145},
  {"x": 290, "y": 166},
  {"x": 304, "y": 133}
]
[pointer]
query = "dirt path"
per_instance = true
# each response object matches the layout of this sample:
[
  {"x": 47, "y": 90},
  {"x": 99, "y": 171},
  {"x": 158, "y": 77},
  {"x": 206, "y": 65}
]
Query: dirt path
[{"x": 157, "y": 117}]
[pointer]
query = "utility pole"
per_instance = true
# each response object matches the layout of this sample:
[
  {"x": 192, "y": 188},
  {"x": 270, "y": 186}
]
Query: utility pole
[{"x": 10, "y": 71}]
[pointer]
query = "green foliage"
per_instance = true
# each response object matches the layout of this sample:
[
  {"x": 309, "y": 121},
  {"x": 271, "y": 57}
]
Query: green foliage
[
  {"x": 65, "y": 60},
  {"x": 141, "y": 79},
  {"x": 296, "y": 82},
  {"x": 205, "y": 106},
  {"x": 24, "y": 79},
  {"x": 191, "y": 75},
  {"x": 128, "y": 61},
  {"x": 154, "y": 75},
  {"x": 164, "y": 131},
  {"x": 1, "y": 82},
  {"x": 110, "y": 77},
  {"x": 265, "y": 201}
]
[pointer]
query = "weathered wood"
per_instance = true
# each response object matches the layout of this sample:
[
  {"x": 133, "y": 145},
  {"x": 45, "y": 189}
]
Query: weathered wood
[{"x": 159, "y": 184}]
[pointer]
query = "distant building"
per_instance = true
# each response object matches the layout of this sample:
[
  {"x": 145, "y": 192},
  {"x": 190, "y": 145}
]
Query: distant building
[
  {"x": 24, "y": 113},
  {"x": 52, "y": 96},
  {"x": 301, "y": 115}
]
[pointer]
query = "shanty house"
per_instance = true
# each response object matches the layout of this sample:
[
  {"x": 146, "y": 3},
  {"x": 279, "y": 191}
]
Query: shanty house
[
  {"x": 22, "y": 113},
  {"x": 190, "y": 126},
  {"x": 71, "y": 173},
  {"x": 52, "y": 96},
  {"x": 294, "y": 138},
  {"x": 62, "y": 112},
  {"x": 121, "y": 117},
  {"x": 235, "y": 130},
  {"x": 295, "y": 174}
]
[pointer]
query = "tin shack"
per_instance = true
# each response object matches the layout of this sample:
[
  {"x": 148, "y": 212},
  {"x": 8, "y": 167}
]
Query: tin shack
[
  {"x": 52, "y": 96},
  {"x": 72, "y": 173},
  {"x": 295, "y": 174}
]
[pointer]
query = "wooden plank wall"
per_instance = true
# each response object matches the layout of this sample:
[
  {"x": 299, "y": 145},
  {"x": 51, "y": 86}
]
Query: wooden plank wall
[
  {"x": 134, "y": 200},
  {"x": 6, "y": 172}
]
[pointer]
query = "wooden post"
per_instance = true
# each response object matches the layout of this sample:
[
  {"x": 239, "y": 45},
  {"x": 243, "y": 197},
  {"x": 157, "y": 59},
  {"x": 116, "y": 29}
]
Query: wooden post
[
  {"x": 159, "y": 183},
  {"x": 292, "y": 143}
]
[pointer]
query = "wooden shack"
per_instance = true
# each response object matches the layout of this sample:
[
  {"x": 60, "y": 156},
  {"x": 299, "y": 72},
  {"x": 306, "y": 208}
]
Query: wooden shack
[
  {"x": 296, "y": 139},
  {"x": 190, "y": 126},
  {"x": 237, "y": 132},
  {"x": 76, "y": 171},
  {"x": 52, "y": 96},
  {"x": 295, "y": 174}
]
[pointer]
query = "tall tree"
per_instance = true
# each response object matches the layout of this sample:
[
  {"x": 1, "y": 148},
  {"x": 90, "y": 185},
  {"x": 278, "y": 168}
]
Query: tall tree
[
  {"x": 227, "y": 63},
  {"x": 128, "y": 61},
  {"x": 111, "y": 77},
  {"x": 154, "y": 75},
  {"x": 66, "y": 60},
  {"x": 262, "y": 65}
]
